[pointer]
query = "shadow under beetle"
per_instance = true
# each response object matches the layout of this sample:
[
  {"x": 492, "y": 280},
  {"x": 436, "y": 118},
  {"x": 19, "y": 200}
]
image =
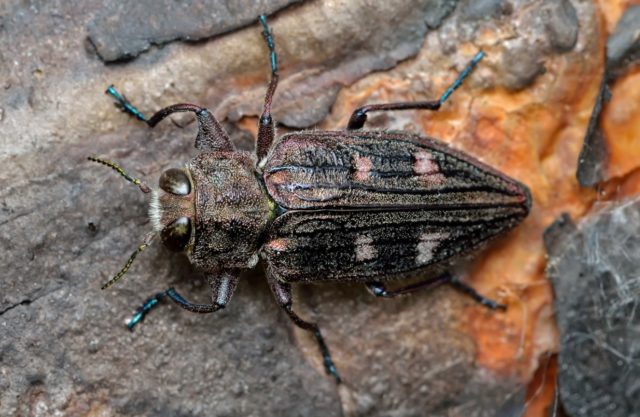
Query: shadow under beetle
[{"x": 346, "y": 206}]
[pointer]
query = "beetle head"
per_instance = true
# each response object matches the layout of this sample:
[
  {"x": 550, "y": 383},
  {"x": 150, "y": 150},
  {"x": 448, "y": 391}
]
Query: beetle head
[
  {"x": 214, "y": 210},
  {"x": 172, "y": 209}
]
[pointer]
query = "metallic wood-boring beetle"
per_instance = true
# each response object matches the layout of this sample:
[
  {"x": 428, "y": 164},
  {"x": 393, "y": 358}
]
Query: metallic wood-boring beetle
[{"x": 315, "y": 206}]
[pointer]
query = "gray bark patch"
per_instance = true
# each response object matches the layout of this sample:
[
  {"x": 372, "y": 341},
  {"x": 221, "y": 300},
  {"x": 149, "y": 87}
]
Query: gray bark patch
[
  {"x": 594, "y": 270},
  {"x": 123, "y": 30}
]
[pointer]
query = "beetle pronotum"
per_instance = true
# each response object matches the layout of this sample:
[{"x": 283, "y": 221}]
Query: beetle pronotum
[{"x": 315, "y": 206}]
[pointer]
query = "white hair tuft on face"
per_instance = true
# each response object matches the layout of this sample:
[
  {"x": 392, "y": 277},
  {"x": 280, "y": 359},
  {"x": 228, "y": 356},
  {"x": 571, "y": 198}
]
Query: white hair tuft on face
[{"x": 155, "y": 211}]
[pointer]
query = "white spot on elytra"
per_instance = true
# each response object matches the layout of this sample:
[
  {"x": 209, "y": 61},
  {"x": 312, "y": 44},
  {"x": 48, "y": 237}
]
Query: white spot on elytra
[
  {"x": 427, "y": 245},
  {"x": 365, "y": 250},
  {"x": 278, "y": 245},
  {"x": 426, "y": 168},
  {"x": 363, "y": 167},
  {"x": 424, "y": 164}
]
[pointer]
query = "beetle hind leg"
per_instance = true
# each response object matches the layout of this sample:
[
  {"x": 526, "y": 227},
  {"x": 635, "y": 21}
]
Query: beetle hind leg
[
  {"x": 282, "y": 292},
  {"x": 471, "y": 292},
  {"x": 380, "y": 290}
]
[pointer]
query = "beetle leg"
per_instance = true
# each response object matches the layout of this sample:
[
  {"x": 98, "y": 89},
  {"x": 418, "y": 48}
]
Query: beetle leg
[
  {"x": 211, "y": 135},
  {"x": 282, "y": 292},
  {"x": 379, "y": 290},
  {"x": 471, "y": 292},
  {"x": 222, "y": 288},
  {"x": 359, "y": 116},
  {"x": 266, "y": 128}
]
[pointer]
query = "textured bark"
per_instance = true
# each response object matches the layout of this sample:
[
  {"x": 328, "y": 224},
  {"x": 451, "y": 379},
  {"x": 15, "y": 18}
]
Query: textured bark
[
  {"x": 117, "y": 33},
  {"x": 66, "y": 225},
  {"x": 612, "y": 143},
  {"x": 594, "y": 271}
]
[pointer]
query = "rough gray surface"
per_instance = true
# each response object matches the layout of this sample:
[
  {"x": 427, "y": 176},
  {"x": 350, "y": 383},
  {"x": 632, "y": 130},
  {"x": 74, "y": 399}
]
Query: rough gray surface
[
  {"x": 363, "y": 38},
  {"x": 541, "y": 28},
  {"x": 562, "y": 24},
  {"x": 123, "y": 30},
  {"x": 594, "y": 270},
  {"x": 484, "y": 9},
  {"x": 623, "y": 46},
  {"x": 623, "y": 51},
  {"x": 592, "y": 162},
  {"x": 66, "y": 225}
]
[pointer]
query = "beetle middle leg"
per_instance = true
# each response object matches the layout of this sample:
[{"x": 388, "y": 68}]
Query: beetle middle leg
[
  {"x": 282, "y": 292},
  {"x": 359, "y": 116},
  {"x": 222, "y": 288},
  {"x": 379, "y": 289}
]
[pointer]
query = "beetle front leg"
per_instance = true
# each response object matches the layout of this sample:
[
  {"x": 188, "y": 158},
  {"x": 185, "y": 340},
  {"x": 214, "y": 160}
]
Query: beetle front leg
[
  {"x": 282, "y": 292},
  {"x": 266, "y": 128},
  {"x": 211, "y": 135},
  {"x": 379, "y": 289},
  {"x": 359, "y": 116},
  {"x": 222, "y": 287}
]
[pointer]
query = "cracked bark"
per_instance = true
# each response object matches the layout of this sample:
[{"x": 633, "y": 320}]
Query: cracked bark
[
  {"x": 66, "y": 226},
  {"x": 11, "y": 307}
]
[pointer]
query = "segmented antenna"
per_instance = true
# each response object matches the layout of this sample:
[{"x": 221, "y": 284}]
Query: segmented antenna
[
  {"x": 126, "y": 267},
  {"x": 143, "y": 187}
]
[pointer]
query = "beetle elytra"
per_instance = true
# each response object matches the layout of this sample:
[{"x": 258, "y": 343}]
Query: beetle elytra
[{"x": 318, "y": 206}]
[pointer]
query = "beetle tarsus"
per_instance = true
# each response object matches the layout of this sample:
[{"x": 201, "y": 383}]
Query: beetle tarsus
[
  {"x": 329, "y": 365},
  {"x": 124, "y": 104},
  {"x": 268, "y": 37},
  {"x": 145, "y": 308},
  {"x": 463, "y": 74}
]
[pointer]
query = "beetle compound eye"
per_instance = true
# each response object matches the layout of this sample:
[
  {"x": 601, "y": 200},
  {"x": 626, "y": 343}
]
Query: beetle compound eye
[
  {"x": 177, "y": 234},
  {"x": 175, "y": 181}
]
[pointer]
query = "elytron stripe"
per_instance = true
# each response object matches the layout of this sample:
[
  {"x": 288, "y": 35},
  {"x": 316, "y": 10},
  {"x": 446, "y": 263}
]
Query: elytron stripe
[
  {"x": 426, "y": 223},
  {"x": 363, "y": 187}
]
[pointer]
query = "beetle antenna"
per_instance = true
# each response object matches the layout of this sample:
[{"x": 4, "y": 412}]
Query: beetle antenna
[
  {"x": 127, "y": 265},
  {"x": 143, "y": 187}
]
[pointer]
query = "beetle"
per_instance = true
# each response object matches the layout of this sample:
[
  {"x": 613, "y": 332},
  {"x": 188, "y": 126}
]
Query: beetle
[{"x": 357, "y": 205}]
